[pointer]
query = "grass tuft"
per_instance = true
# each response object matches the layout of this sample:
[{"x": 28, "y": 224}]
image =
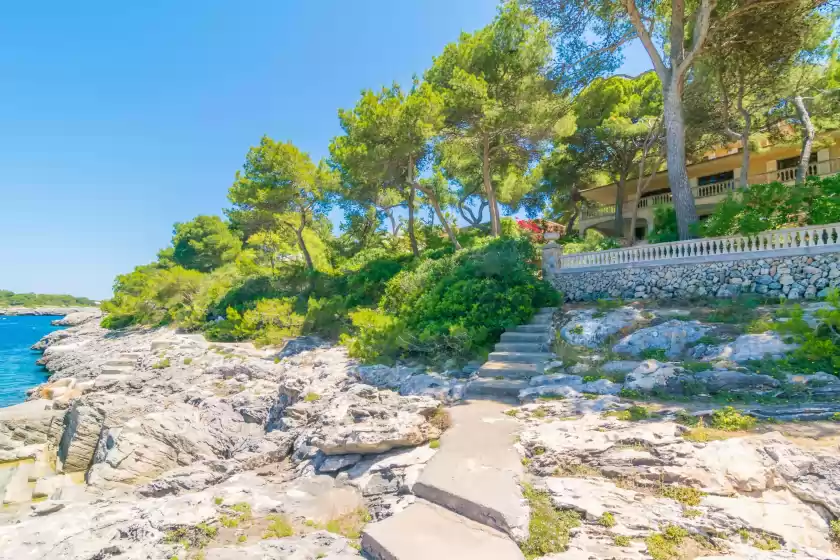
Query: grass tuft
[
  {"x": 278, "y": 527},
  {"x": 665, "y": 545},
  {"x": 549, "y": 527},
  {"x": 682, "y": 494}
]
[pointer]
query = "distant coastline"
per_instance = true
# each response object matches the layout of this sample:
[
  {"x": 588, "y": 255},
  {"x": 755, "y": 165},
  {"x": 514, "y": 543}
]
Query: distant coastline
[{"x": 45, "y": 310}]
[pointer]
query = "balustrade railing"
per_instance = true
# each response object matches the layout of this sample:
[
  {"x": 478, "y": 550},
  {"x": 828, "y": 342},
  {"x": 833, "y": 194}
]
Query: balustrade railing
[
  {"x": 703, "y": 191},
  {"x": 768, "y": 241}
]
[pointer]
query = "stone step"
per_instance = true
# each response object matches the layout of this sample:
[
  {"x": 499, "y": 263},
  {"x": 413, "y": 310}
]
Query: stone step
[
  {"x": 120, "y": 363},
  {"x": 503, "y": 389},
  {"x": 521, "y": 357},
  {"x": 476, "y": 472},
  {"x": 510, "y": 370},
  {"x": 541, "y": 319},
  {"x": 524, "y": 337},
  {"x": 525, "y": 347},
  {"x": 130, "y": 356},
  {"x": 424, "y": 531},
  {"x": 18, "y": 489},
  {"x": 534, "y": 329},
  {"x": 115, "y": 370}
]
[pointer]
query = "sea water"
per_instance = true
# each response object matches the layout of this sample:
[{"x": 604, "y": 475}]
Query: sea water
[{"x": 18, "y": 371}]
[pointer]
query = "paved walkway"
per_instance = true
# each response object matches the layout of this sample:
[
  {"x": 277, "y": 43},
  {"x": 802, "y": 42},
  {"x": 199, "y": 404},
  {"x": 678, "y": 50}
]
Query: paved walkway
[
  {"x": 469, "y": 498},
  {"x": 469, "y": 502}
]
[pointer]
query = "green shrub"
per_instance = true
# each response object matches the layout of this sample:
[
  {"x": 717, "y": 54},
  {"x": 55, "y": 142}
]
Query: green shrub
[
  {"x": 592, "y": 241},
  {"x": 278, "y": 527},
  {"x": 771, "y": 206},
  {"x": 458, "y": 305},
  {"x": 621, "y": 540},
  {"x": 665, "y": 545},
  {"x": 548, "y": 530},
  {"x": 163, "y": 364},
  {"x": 731, "y": 420},
  {"x": 664, "y": 225},
  {"x": 683, "y": 494},
  {"x": 607, "y": 520},
  {"x": 654, "y": 354},
  {"x": 378, "y": 336}
]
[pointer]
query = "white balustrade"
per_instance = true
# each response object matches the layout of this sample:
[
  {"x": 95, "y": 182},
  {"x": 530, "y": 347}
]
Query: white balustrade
[
  {"x": 767, "y": 241},
  {"x": 704, "y": 191}
]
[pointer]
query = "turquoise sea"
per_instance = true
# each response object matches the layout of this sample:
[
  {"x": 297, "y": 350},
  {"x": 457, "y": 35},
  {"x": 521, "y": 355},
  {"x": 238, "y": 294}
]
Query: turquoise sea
[{"x": 18, "y": 371}]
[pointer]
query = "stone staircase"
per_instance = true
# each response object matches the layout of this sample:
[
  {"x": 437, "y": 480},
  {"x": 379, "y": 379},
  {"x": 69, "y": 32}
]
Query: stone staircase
[
  {"x": 520, "y": 355},
  {"x": 469, "y": 503}
]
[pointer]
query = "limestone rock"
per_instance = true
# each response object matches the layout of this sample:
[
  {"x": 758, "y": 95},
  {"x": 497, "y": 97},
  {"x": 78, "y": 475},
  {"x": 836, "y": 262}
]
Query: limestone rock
[
  {"x": 671, "y": 336},
  {"x": 586, "y": 328}
]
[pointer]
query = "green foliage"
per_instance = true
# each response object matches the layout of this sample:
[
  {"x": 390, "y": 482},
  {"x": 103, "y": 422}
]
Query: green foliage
[
  {"x": 593, "y": 240},
  {"x": 434, "y": 444},
  {"x": 280, "y": 188},
  {"x": 458, "y": 305},
  {"x": 665, "y": 545},
  {"x": 378, "y": 336},
  {"x": 664, "y": 225},
  {"x": 271, "y": 321},
  {"x": 204, "y": 244},
  {"x": 607, "y": 520},
  {"x": 654, "y": 354},
  {"x": 311, "y": 397},
  {"x": 683, "y": 494},
  {"x": 730, "y": 419},
  {"x": 771, "y": 206},
  {"x": 163, "y": 364},
  {"x": 548, "y": 530},
  {"x": 11, "y": 299},
  {"x": 632, "y": 414},
  {"x": 278, "y": 527},
  {"x": 834, "y": 531},
  {"x": 621, "y": 540}
]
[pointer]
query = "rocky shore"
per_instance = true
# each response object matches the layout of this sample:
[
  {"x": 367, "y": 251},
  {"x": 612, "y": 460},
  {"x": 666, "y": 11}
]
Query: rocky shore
[
  {"x": 71, "y": 316},
  {"x": 153, "y": 444},
  {"x": 139, "y": 434}
]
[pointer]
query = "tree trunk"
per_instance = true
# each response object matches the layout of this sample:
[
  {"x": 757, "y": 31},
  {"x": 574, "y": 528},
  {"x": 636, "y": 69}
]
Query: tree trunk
[
  {"x": 808, "y": 135},
  {"x": 495, "y": 222},
  {"x": 445, "y": 223},
  {"x": 302, "y": 244},
  {"x": 675, "y": 149},
  {"x": 412, "y": 238},
  {"x": 619, "y": 205},
  {"x": 745, "y": 150}
]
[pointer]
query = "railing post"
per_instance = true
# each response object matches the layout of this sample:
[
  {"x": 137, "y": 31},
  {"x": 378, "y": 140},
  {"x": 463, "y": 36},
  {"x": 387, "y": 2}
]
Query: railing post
[{"x": 551, "y": 254}]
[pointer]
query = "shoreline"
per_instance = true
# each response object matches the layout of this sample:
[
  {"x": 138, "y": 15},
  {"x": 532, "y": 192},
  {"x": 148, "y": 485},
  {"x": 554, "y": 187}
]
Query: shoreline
[{"x": 51, "y": 311}]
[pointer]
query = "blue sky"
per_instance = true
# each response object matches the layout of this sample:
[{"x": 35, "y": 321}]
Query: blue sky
[{"x": 118, "y": 119}]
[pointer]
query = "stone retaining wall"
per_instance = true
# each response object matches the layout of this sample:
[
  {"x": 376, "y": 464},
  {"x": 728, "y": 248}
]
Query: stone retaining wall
[{"x": 793, "y": 277}]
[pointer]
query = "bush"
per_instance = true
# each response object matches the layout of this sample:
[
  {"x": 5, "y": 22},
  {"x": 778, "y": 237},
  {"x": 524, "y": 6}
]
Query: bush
[
  {"x": 664, "y": 225},
  {"x": 458, "y": 305},
  {"x": 377, "y": 338},
  {"x": 730, "y": 420},
  {"x": 592, "y": 241},
  {"x": 758, "y": 208}
]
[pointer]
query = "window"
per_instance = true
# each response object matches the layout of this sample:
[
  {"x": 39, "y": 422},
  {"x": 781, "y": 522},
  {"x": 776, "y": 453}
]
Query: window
[
  {"x": 716, "y": 178},
  {"x": 792, "y": 162}
]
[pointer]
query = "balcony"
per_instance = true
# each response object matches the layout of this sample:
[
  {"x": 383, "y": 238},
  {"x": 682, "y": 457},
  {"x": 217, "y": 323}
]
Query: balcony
[
  {"x": 651, "y": 201},
  {"x": 704, "y": 194}
]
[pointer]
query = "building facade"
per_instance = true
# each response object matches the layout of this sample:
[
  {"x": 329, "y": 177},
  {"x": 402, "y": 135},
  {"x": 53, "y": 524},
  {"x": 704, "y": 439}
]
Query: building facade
[{"x": 711, "y": 179}]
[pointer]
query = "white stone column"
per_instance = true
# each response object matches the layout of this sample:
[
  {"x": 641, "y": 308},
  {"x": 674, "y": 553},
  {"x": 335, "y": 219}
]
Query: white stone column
[
  {"x": 823, "y": 165},
  {"x": 736, "y": 173},
  {"x": 551, "y": 253},
  {"x": 771, "y": 166}
]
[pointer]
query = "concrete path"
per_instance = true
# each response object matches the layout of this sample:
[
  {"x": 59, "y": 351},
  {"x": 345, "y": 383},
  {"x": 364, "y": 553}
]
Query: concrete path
[
  {"x": 470, "y": 503},
  {"x": 424, "y": 531}
]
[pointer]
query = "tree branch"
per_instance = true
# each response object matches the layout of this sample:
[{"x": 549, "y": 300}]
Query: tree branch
[
  {"x": 645, "y": 38},
  {"x": 702, "y": 22}
]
